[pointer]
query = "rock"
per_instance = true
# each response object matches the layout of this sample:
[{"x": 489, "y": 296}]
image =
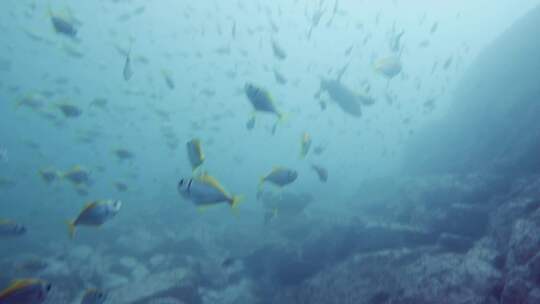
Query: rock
[
  {"x": 515, "y": 291},
  {"x": 524, "y": 242}
]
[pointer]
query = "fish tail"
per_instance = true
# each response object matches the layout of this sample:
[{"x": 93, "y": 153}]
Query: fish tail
[
  {"x": 235, "y": 200},
  {"x": 71, "y": 229}
]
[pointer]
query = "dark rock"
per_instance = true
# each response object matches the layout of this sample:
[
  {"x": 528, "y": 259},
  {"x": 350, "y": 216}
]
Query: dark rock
[{"x": 515, "y": 291}]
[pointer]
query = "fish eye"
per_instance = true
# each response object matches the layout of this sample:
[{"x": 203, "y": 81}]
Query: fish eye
[
  {"x": 48, "y": 287},
  {"x": 100, "y": 295},
  {"x": 181, "y": 182}
]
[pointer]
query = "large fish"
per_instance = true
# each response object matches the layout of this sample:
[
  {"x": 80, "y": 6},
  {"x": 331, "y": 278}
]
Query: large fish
[
  {"x": 205, "y": 190},
  {"x": 95, "y": 214},
  {"x": 349, "y": 101},
  {"x": 280, "y": 177},
  {"x": 26, "y": 291}
]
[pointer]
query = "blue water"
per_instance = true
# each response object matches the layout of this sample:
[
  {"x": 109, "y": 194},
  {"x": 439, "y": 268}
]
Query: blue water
[{"x": 210, "y": 50}]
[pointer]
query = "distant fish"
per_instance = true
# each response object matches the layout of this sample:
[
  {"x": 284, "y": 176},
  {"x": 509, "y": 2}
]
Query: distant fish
[
  {"x": 95, "y": 214},
  {"x": 390, "y": 67},
  {"x": 69, "y": 110},
  {"x": 318, "y": 150},
  {"x": 233, "y": 30},
  {"x": 127, "y": 72},
  {"x": 25, "y": 291},
  {"x": 434, "y": 27},
  {"x": 94, "y": 296},
  {"x": 121, "y": 187},
  {"x": 322, "y": 173},
  {"x": 168, "y": 79},
  {"x": 63, "y": 25},
  {"x": 228, "y": 262},
  {"x": 78, "y": 175},
  {"x": 99, "y": 102},
  {"x": 395, "y": 43},
  {"x": 123, "y": 154},
  {"x": 195, "y": 153},
  {"x": 349, "y": 101},
  {"x": 305, "y": 144},
  {"x": 448, "y": 63},
  {"x": 250, "y": 124},
  {"x": 205, "y": 190},
  {"x": 279, "y": 77},
  {"x": 10, "y": 228},
  {"x": 280, "y": 177},
  {"x": 3, "y": 155},
  {"x": 278, "y": 51},
  {"x": 49, "y": 175}
]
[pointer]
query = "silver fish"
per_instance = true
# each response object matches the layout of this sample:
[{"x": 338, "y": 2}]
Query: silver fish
[{"x": 95, "y": 214}]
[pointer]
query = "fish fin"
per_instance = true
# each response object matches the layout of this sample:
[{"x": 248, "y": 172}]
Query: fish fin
[
  {"x": 236, "y": 200},
  {"x": 71, "y": 229},
  {"x": 261, "y": 182}
]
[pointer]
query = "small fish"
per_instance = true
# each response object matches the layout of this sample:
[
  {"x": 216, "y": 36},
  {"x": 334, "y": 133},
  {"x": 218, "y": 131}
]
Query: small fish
[
  {"x": 9, "y": 228},
  {"x": 123, "y": 154},
  {"x": 62, "y": 25},
  {"x": 280, "y": 79},
  {"x": 322, "y": 173},
  {"x": 94, "y": 296},
  {"x": 48, "y": 175},
  {"x": 195, "y": 153},
  {"x": 434, "y": 27},
  {"x": 127, "y": 72},
  {"x": 278, "y": 51},
  {"x": 280, "y": 177},
  {"x": 305, "y": 145},
  {"x": 228, "y": 262},
  {"x": 318, "y": 150},
  {"x": 4, "y": 155},
  {"x": 33, "y": 101},
  {"x": 233, "y": 30},
  {"x": 95, "y": 214},
  {"x": 77, "y": 175},
  {"x": 25, "y": 291},
  {"x": 261, "y": 100},
  {"x": 250, "y": 123},
  {"x": 168, "y": 79},
  {"x": 69, "y": 110},
  {"x": 205, "y": 190},
  {"x": 121, "y": 187},
  {"x": 390, "y": 67},
  {"x": 99, "y": 102}
]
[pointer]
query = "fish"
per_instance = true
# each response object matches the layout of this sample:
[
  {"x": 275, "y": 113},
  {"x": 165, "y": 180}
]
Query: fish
[
  {"x": 233, "y": 30},
  {"x": 305, "y": 144},
  {"x": 349, "y": 101},
  {"x": 99, "y": 102},
  {"x": 127, "y": 72},
  {"x": 9, "y": 228},
  {"x": 94, "y": 296},
  {"x": 26, "y": 291},
  {"x": 322, "y": 173},
  {"x": 48, "y": 175},
  {"x": 434, "y": 27},
  {"x": 123, "y": 154},
  {"x": 205, "y": 190},
  {"x": 389, "y": 67},
  {"x": 195, "y": 153},
  {"x": 318, "y": 150},
  {"x": 121, "y": 187},
  {"x": 279, "y": 77},
  {"x": 280, "y": 176},
  {"x": 34, "y": 101},
  {"x": 4, "y": 155},
  {"x": 69, "y": 110},
  {"x": 278, "y": 51},
  {"x": 395, "y": 43},
  {"x": 95, "y": 214},
  {"x": 168, "y": 79},
  {"x": 250, "y": 124},
  {"x": 261, "y": 100},
  {"x": 63, "y": 25},
  {"x": 77, "y": 175}
]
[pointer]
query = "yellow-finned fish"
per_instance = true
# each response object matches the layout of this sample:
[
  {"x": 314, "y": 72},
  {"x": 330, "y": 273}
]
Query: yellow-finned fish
[
  {"x": 94, "y": 296},
  {"x": 95, "y": 214},
  {"x": 280, "y": 176},
  {"x": 261, "y": 100},
  {"x": 195, "y": 153},
  {"x": 205, "y": 190},
  {"x": 25, "y": 291},
  {"x": 305, "y": 145},
  {"x": 390, "y": 67}
]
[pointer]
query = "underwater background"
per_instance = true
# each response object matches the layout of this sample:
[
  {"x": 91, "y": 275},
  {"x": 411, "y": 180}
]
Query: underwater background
[{"x": 380, "y": 152}]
